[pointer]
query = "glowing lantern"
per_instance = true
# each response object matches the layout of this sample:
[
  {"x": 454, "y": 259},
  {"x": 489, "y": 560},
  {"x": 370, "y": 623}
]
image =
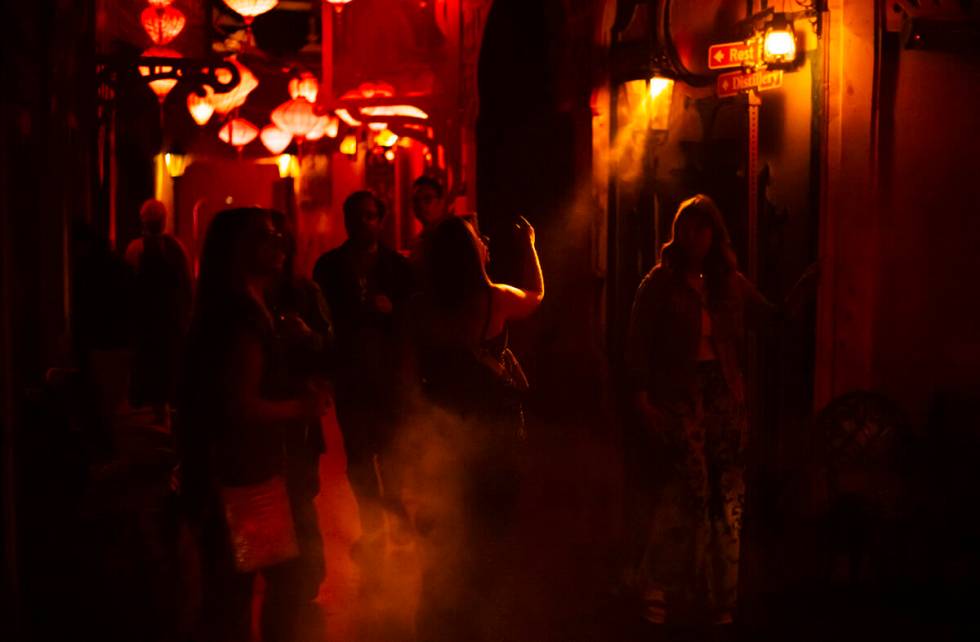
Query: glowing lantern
[
  {"x": 175, "y": 164},
  {"x": 339, "y": 4},
  {"x": 288, "y": 166},
  {"x": 162, "y": 24},
  {"x": 275, "y": 139},
  {"x": 348, "y": 146},
  {"x": 779, "y": 42},
  {"x": 386, "y": 138},
  {"x": 377, "y": 127},
  {"x": 305, "y": 86},
  {"x": 159, "y": 4},
  {"x": 295, "y": 116},
  {"x": 333, "y": 127},
  {"x": 320, "y": 129},
  {"x": 248, "y": 9},
  {"x": 238, "y": 132},
  {"x": 347, "y": 118},
  {"x": 161, "y": 86},
  {"x": 224, "y": 103},
  {"x": 390, "y": 155},
  {"x": 200, "y": 107}
]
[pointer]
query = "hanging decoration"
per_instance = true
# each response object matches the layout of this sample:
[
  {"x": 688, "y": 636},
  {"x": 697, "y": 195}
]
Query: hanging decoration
[
  {"x": 401, "y": 111},
  {"x": 333, "y": 127},
  {"x": 305, "y": 85},
  {"x": 295, "y": 116},
  {"x": 248, "y": 9},
  {"x": 226, "y": 102},
  {"x": 200, "y": 107},
  {"x": 162, "y": 24},
  {"x": 238, "y": 133},
  {"x": 386, "y": 138},
  {"x": 161, "y": 86},
  {"x": 275, "y": 139},
  {"x": 348, "y": 146}
]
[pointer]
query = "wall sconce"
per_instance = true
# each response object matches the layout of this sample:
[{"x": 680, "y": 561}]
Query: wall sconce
[
  {"x": 779, "y": 41},
  {"x": 175, "y": 164},
  {"x": 348, "y": 146},
  {"x": 288, "y": 165}
]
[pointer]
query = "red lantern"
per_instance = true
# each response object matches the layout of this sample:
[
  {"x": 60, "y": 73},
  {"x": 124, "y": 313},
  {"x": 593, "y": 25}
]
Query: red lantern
[
  {"x": 248, "y": 9},
  {"x": 162, "y": 24},
  {"x": 306, "y": 86},
  {"x": 238, "y": 133},
  {"x": 295, "y": 116},
  {"x": 275, "y": 139},
  {"x": 162, "y": 86},
  {"x": 224, "y": 103},
  {"x": 200, "y": 107}
]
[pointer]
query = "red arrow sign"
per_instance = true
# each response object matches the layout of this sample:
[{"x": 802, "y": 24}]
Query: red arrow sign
[
  {"x": 733, "y": 82},
  {"x": 726, "y": 55}
]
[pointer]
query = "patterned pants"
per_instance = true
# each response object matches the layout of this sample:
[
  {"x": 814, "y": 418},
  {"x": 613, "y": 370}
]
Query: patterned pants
[{"x": 693, "y": 513}]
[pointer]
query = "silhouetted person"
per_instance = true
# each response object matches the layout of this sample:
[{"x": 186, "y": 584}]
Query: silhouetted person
[
  {"x": 467, "y": 371},
  {"x": 366, "y": 285},
  {"x": 305, "y": 329},
  {"x": 686, "y": 337},
  {"x": 238, "y": 411},
  {"x": 429, "y": 201},
  {"x": 162, "y": 307}
]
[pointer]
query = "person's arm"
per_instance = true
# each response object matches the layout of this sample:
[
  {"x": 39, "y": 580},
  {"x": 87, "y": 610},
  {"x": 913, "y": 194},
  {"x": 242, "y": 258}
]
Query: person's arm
[
  {"x": 639, "y": 347},
  {"x": 244, "y": 376},
  {"x": 518, "y": 303}
]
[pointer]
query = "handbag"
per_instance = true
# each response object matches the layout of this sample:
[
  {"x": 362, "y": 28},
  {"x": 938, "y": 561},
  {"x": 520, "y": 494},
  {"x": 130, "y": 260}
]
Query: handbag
[{"x": 260, "y": 524}]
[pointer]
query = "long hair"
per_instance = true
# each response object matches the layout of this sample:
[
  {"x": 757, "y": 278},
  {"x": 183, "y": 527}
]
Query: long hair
[
  {"x": 221, "y": 256},
  {"x": 452, "y": 264},
  {"x": 720, "y": 265}
]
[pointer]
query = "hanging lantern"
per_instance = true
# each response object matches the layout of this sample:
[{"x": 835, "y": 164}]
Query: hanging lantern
[
  {"x": 248, "y": 9},
  {"x": 348, "y": 146},
  {"x": 159, "y": 4},
  {"x": 224, "y": 103},
  {"x": 162, "y": 24},
  {"x": 295, "y": 116},
  {"x": 339, "y": 4},
  {"x": 386, "y": 138},
  {"x": 333, "y": 126},
  {"x": 306, "y": 86},
  {"x": 200, "y": 107},
  {"x": 161, "y": 86},
  {"x": 238, "y": 133},
  {"x": 402, "y": 111},
  {"x": 275, "y": 139},
  {"x": 377, "y": 127}
]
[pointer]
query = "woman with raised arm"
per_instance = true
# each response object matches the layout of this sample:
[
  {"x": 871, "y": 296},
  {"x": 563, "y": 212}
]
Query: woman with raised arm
[{"x": 475, "y": 383}]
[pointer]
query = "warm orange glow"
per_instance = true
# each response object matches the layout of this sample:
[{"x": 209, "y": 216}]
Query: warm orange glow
[
  {"x": 386, "y": 138},
  {"x": 175, "y": 164},
  {"x": 248, "y": 9},
  {"x": 275, "y": 139},
  {"x": 162, "y": 24},
  {"x": 779, "y": 42},
  {"x": 200, "y": 107},
  {"x": 224, "y": 103},
  {"x": 305, "y": 86},
  {"x": 661, "y": 92},
  {"x": 339, "y": 4},
  {"x": 160, "y": 3},
  {"x": 348, "y": 145},
  {"x": 162, "y": 86},
  {"x": 238, "y": 132},
  {"x": 403, "y": 111},
  {"x": 287, "y": 166},
  {"x": 377, "y": 127},
  {"x": 390, "y": 154},
  {"x": 295, "y": 116},
  {"x": 347, "y": 118}
]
